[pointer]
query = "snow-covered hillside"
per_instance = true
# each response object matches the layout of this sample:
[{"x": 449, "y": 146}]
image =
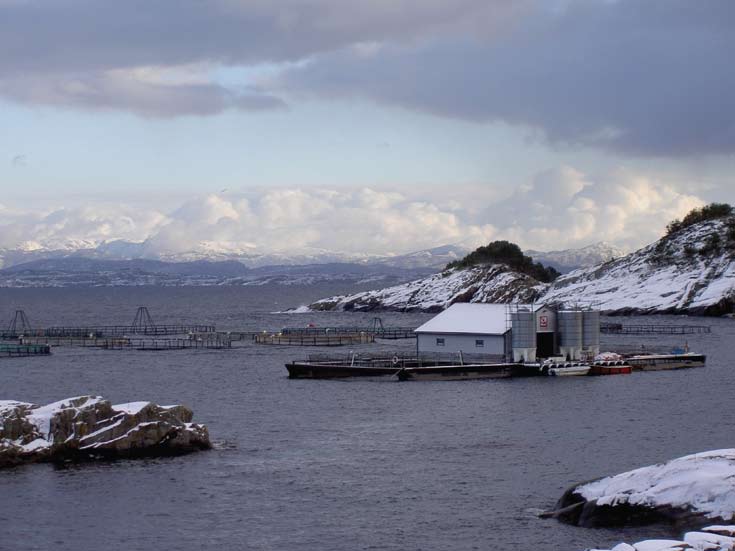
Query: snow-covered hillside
[
  {"x": 492, "y": 283},
  {"x": 682, "y": 273},
  {"x": 692, "y": 271}
]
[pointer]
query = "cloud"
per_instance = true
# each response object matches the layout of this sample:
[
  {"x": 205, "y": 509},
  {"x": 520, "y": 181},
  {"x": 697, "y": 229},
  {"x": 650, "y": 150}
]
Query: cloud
[
  {"x": 79, "y": 227},
  {"x": 647, "y": 78},
  {"x": 136, "y": 90},
  {"x": 294, "y": 220},
  {"x": 560, "y": 208},
  {"x": 564, "y": 208}
]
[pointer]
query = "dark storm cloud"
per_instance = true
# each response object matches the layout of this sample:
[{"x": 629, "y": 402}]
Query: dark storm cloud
[
  {"x": 89, "y": 35},
  {"x": 644, "y": 77},
  {"x": 83, "y": 53},
  {"x": 648, "y": 77}
]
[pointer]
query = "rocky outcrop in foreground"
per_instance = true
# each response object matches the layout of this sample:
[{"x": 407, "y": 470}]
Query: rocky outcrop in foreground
[
  {"x": 711, "y": 538},
  {"x": 90, "y": 427},
  {"x": 689, "y": 491}
]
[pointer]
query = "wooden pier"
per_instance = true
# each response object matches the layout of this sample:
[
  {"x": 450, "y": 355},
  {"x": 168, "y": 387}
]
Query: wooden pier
[{"x": 620, "y": 329}]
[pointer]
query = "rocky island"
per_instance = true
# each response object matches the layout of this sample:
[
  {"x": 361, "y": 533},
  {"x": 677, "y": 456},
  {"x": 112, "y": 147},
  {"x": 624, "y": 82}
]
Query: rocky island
[
  {"x": 690, "y": 270},
  {"x": 90, "y": 427}
]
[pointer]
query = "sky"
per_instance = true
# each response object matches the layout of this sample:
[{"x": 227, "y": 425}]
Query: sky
[{"x": 377, "y": 127}]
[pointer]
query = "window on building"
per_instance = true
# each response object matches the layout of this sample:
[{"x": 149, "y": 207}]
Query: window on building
[
  {"x": 479, "y": 343},
  {"x": 440, "y": 342}
]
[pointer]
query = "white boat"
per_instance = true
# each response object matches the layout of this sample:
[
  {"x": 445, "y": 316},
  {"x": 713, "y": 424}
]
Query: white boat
[{"x": 569, "y": 370}]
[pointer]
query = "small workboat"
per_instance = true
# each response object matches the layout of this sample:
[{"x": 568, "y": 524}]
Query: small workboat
[
  {"x": 618, "y": 367},
  {"x": 659, "y": 362},
  {"x": 456, "y": 372},
  {"x": 569, "y": 370}
]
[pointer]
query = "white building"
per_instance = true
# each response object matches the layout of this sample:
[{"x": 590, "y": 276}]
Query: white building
[
  {"x": 520, "y": 332},
  {"x": 467, "y": 327}
]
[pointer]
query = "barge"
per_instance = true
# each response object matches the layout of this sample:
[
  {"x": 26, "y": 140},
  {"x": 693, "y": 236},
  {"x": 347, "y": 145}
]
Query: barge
[
  {"x": 406, "y": 367},
  {"x": 456, "y": 372},
  {"x": 660, "y": 362},
  {"x": 333, "y": 370}
]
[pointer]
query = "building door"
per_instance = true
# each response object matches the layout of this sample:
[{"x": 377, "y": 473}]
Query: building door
[{"x": 544, "y": 345}]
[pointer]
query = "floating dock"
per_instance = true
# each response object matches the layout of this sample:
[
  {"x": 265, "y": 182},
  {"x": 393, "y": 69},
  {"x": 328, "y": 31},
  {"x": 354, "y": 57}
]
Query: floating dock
[{"x": 22, "y": 350}]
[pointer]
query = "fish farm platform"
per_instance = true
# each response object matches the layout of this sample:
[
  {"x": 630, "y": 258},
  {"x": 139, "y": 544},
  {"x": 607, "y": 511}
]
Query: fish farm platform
[
  {"x": 317, "y": 339},
  {"x": 620, "y": 329},
  {"x": 108, "y": 331},
  {"x": 127, "y": 343},
  {"x": 386, "y": 333}
]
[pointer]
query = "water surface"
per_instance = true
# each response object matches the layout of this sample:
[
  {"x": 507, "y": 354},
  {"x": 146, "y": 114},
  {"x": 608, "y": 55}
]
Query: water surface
[{"x": 335, "y": 465}]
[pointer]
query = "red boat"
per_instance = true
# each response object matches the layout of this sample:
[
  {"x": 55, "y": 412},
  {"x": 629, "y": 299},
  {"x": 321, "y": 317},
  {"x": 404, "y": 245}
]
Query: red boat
[{"x": 610, "y": 368}]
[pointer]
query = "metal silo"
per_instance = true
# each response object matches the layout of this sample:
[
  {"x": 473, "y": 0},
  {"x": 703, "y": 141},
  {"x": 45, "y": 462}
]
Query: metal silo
[
  {"x": 570, "y": 325},
  {"x": 591, "y": 331},
  {"x": 523, "y": 331}
]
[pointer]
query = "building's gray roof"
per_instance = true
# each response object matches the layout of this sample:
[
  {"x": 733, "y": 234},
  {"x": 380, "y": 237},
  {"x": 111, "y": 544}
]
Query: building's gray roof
[{"x": 470, "y": 318}]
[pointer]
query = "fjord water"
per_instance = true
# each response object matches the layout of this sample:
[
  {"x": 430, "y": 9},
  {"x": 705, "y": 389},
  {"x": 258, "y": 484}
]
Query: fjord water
[{"x": 335, "y": 465}]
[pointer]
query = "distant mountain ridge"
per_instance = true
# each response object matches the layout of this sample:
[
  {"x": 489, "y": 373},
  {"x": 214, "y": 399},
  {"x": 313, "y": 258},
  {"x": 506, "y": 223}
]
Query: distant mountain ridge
[
  {"x": 73, "y": 271},
  {"x": 434, "y": 258},
  {"x": 125, "y": 263},
  {"x": 572, "y": 259}
]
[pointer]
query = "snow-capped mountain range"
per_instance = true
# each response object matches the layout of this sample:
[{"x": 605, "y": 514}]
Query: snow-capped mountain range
[
  {"x": 691, "y": 271},
  {"x": 569, "y": 260},
  {"x": 119, "y": 262}
]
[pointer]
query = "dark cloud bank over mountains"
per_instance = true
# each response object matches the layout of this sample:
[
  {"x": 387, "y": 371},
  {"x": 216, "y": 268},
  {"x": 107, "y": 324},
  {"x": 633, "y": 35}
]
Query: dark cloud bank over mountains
[{"x": 649, "y": 78}]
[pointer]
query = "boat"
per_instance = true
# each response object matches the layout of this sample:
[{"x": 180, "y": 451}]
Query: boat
[
  {"x": 659, "y": 362},
  {"x": 569, "y": 370},
  {"x": 456, "y": 372},
  {"x": 331, "y": 370},
  {"x": 618, "y": 367}
]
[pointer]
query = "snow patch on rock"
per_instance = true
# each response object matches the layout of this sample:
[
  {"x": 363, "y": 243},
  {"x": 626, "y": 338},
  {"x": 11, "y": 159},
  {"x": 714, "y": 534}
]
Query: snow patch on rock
[{"x": 491, "y": 283}]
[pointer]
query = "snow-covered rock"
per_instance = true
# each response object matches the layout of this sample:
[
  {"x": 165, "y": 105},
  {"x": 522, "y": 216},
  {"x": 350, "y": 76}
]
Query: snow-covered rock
[
  {"x": 685, "y": 491},
  {"x": 492, "y": 283},
  {"x": 706, "y": 540},
  {"x": 87, "y": 427}
]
